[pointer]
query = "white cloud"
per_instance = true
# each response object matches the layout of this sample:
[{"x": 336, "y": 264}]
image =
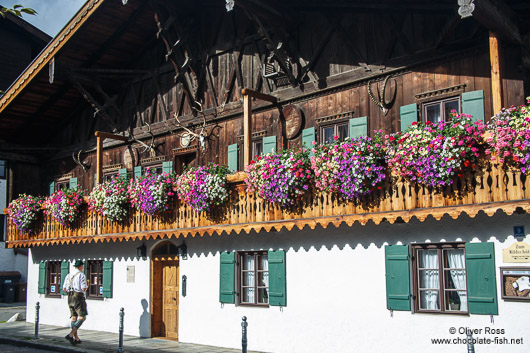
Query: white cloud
[{"x": 52, "y": 14}]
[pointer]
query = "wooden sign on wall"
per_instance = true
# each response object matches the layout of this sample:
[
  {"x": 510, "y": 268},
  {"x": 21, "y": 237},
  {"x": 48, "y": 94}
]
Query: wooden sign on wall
[{"x": 518, "y": 252}]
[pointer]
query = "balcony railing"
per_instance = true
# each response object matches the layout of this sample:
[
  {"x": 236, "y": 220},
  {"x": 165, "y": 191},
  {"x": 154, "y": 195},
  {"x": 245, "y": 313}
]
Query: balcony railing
[{"x": 488, "y": 189}]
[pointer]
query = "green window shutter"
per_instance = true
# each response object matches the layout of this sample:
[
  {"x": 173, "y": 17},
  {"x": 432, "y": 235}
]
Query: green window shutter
[
  {"x": 107, "y": 279},
  {"x": 409, "y": 115},
  {"x": 232, "y": 157},
  {"x": 52, "y": 187},
  {"x": 227, "y": 277},
  {"x": 42, "y": 277},
  {"x": 167, "y": 167},
  {"x": 308, "y": 137},
  {"x": 473, "y": 104},
  {"x": 397, "y": 277},
  {"x": 95, "y": 179},
  {"x": 122, "y": 172},
  {"x": 269, "y": 144},
  {"x": 358, "y": 127},
  {"x": 73, "y": 183},
  {"x": 277, "y": 280},
  {"x": 481, "y": 283},
  {"x": 65, "y": 269},
  {"x": 137, "y": 172}
]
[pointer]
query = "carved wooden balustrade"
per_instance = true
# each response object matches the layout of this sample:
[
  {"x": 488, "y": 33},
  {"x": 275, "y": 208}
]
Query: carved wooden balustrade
[{"x": 489, "y": 189}]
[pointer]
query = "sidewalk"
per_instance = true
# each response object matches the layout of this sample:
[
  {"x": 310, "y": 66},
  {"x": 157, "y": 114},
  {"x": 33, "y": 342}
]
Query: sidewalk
[{"x": 51, "y": 338}]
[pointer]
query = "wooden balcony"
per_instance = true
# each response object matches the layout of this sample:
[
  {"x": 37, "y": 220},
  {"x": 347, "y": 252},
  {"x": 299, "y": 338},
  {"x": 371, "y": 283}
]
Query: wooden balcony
[{"x": 490, "y": 189}]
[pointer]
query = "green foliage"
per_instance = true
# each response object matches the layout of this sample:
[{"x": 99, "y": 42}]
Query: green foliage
[{"x": 17, "y": 10}]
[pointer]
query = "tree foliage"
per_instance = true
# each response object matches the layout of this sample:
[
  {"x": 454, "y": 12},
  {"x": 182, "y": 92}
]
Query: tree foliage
[{"x": 17, "y": 10}]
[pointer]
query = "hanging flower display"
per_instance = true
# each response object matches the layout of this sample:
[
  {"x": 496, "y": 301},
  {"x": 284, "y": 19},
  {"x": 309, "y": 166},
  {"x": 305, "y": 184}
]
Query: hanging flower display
[
  {"x": 280, "y": 177},
  {"x": 110, "y": 199},
  {"x": 433, "y": 154},
  {"x": 151, "y": 192},
  {"x": 63, "y": 205},
  {"x": 510, "y": 139},
  {"x": 203, "y": 187},
  {"x": 24, "y": 212},
  {"x": 351, "y": 168}
]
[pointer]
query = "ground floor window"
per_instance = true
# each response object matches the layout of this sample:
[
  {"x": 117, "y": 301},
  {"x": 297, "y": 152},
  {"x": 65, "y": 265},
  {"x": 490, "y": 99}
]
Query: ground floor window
[
  {"x": 440, "y": 277},
  {"x": 253, "y": 278},
  {"x": 53, "y": 285},
  {"x": 94, "y": 274}
]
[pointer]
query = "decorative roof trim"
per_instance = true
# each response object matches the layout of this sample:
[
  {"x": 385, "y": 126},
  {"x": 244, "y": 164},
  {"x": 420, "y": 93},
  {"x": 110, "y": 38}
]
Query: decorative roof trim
[
  {"x": 440, "y": 93},
  {"x": 49, "y": 52}
]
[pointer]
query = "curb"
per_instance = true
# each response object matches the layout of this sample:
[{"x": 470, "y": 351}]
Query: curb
[{"x": 30, "y": 344}]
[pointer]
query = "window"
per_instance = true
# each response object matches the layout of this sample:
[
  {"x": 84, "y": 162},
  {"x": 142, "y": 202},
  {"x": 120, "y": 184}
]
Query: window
[
  {"x": 53, "y": 282},
  {"x": 94, "y": 274},
  {"x": 328, "y": 132},
  {"x": 253, "y": 278},
  {"x": 440, "y": 110},
  {"x": 63, "y": 184},
  {"x": 440, "y": 278},
  {"x": 110, "y": 176},
  {"x": 257, "y": 150}
]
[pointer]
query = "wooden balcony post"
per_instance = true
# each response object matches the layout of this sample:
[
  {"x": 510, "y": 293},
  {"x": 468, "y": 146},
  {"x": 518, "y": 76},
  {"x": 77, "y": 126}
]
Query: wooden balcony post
[
  {"x": 99, "y": 153},
  {"x": 247, "y": 119},
  {"x": 496, "y": 78},
  {"x": 247, "y": 129}
]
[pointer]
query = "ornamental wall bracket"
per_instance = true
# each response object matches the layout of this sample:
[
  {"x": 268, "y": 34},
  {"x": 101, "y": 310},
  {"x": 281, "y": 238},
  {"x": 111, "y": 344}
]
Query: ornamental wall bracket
[
  {"x": 466, "y": 8},
  {"x": 381, "y": 101}
]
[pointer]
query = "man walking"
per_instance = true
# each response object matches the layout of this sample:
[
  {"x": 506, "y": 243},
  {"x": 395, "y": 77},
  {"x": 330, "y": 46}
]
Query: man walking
[{"x": 75, "y": 285}]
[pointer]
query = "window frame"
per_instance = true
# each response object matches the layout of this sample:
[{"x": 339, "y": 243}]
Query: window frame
[
  {"x": 62, "y": 184},
  {"x": 239, "y": 272},
  {"x": 57, "y": 273},
  {"x": 158, "y": 168},
  {"x": 441, "y": 276},
  {"x": 441, "y": 103},
  {"x": 89, "y": 274},
  {"x": 256, "y": 141},
  {"x": 335, "y": 124}
]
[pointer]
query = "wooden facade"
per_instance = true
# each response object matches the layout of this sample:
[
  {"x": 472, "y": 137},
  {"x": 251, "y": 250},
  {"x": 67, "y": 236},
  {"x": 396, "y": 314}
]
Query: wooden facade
[{"x": 130, "y": 69}]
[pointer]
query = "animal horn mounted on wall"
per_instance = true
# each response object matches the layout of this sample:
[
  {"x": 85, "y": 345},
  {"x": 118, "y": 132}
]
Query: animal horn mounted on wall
[{"x": 381, "y": 101}]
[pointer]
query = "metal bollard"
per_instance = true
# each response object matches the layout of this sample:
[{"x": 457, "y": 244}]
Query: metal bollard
[
  {"x": 244, "y": 325},
  {"x": 120, "y": 346},
  {"x": 37, "y": 307},
  {"x": 470, "y": 345}
]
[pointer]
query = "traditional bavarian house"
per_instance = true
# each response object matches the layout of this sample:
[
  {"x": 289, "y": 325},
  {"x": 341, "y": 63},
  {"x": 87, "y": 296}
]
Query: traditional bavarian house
[{"x": 131, "y": 85}]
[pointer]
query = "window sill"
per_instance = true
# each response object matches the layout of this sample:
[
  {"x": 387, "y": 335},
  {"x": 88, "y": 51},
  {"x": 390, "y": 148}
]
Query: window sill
[
  {"x": 461, "y": 313},
  {"x": 254, "y": 305},
  {"x": 94, "y": 298}
]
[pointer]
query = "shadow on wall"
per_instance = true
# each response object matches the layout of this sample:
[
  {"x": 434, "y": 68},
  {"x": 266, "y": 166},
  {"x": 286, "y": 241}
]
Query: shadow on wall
[
  {"x": 143, "y": 327},
  {"x": 466, "y": 229}
]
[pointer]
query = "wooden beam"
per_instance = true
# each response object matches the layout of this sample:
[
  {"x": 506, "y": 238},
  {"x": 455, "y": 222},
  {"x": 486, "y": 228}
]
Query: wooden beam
[
  {"x": 107, "y": 135},
  {"x": 496, "y": 77},
  {"x": 258, "y": 95},
  {"x": 247, "y": 128},
  {"x": 497, "y": 18},
  {"x": 99, "y": 158}
]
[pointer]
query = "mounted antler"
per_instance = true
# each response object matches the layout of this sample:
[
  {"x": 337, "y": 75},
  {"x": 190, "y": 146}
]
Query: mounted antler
[
  {"x": 146, "y": 147},
  {"x": 381, "y": 102},
  {"x": 190, "y": 135},
  {"x": 77, "y": 161}
]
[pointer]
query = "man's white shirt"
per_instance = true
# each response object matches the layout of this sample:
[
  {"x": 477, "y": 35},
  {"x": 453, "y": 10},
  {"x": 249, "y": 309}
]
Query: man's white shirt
[{"x": 78, "y": 281}]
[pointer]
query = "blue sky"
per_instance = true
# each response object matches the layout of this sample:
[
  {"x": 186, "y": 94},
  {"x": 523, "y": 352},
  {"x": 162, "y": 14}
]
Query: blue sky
[{"x": 52, "y": 14}]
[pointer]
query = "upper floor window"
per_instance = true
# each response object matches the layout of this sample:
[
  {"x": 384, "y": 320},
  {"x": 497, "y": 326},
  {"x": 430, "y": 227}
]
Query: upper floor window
[
  {"x": 440, "y": 278},
  {"x": 94, "y": 274},
  {"x": 63, "y": 184},
  {"x": 329, "y": 131},
  {"x": 440, "y": 110},
  {"x": 257, "y": 150},
  {"x": 253, "y": 278},
  {"x": 53, "y": 285}
]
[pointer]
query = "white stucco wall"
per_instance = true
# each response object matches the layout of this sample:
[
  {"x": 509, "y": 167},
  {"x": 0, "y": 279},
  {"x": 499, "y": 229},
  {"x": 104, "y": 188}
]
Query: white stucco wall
[
  {"x": 336, "y": 294},
  {"x": 103, "y": 315}
]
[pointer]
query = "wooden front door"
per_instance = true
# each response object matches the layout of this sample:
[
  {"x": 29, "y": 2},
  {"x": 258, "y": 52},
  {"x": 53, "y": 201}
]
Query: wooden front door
[{"x": 165, "y": 298}]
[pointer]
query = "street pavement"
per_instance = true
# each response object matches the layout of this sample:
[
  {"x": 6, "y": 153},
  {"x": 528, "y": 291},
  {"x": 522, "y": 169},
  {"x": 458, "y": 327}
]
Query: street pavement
[
  {"x": 51, "y": 339},
  {"x": 8, "y": 310}
]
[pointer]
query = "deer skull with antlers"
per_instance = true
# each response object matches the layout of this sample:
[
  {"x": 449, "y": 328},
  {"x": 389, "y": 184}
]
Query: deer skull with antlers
[{"x": 189, "y": 135}]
